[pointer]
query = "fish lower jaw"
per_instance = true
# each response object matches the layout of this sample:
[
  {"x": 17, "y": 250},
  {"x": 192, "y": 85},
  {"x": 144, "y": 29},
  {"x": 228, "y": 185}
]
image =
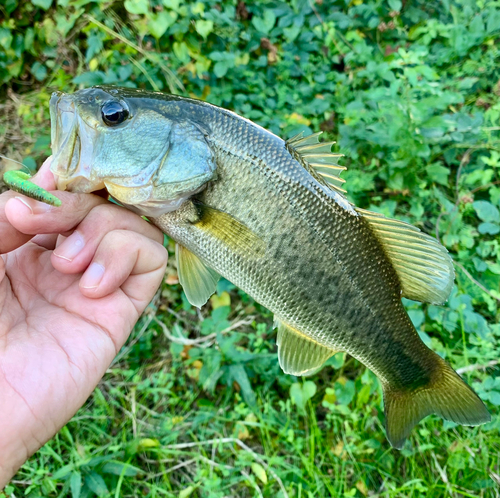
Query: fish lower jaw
[{"x": 79, "y": 184}]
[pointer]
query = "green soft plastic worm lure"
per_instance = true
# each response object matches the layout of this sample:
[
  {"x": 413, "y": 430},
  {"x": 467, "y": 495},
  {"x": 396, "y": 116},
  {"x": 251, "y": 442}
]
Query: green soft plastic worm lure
[{"x": 20, "y": 182}]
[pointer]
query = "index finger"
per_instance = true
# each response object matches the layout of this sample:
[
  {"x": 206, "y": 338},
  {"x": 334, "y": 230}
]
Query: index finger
[
  {"x": 10, "y": 237},
  {"x": 21, "y": 217}
]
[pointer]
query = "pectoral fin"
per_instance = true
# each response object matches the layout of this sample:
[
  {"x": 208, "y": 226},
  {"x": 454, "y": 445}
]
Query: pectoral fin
[
  {"x": 297, "y": 353},
  {"x": 198, "y": 280},
  {"x": 424, "y": 267},
  {"x": 231, "y": 232}
]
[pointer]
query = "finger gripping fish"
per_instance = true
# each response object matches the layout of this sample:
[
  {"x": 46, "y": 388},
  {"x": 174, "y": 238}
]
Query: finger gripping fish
[{"x": 271, "y": 216}]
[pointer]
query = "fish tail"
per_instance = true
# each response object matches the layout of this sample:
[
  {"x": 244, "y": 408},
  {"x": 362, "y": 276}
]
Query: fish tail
[{"x": 446, "y": 394}]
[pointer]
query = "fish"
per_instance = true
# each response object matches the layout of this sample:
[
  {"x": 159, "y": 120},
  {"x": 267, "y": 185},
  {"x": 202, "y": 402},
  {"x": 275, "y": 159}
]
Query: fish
[{"x": 271, "y": 216}]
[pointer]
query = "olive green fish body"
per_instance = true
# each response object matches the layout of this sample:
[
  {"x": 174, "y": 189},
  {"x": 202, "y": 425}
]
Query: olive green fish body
[
  {"x": 242, "y": 203},
  {"x": 323, "y": 272}
]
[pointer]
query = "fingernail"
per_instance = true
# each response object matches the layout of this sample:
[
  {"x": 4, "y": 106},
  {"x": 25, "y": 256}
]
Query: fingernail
[
  {"x": 71, "y": 247},
  {"x": 92, "y": 277},
  {"x": 34, "y": 206}
]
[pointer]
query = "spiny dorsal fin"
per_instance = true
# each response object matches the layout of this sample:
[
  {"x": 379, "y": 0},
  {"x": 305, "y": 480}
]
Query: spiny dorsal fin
[
  {"x": 423, "y": 265},
  {"x": 319, "y": 158},
  {"x": 299, "y": 354},
  {"x": 198, "y": 280}
]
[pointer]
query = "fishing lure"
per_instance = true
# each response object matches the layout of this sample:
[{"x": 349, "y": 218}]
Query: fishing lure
[{"x": 20, "y": 182}]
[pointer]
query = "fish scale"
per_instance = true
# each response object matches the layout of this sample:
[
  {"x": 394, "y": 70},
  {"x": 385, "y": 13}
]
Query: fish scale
[{"x": 264, "y": 214}]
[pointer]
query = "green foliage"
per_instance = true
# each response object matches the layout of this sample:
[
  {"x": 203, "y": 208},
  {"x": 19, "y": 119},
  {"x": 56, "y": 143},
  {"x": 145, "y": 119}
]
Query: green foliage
[{"x": 411, "y": 92}]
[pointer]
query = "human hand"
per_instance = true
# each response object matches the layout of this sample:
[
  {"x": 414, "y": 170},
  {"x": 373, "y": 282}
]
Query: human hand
[{"x": 59, "y": 330}]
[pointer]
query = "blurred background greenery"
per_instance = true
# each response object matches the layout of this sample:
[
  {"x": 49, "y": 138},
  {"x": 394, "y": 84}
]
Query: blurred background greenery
[{"x": 195, "y": 404}]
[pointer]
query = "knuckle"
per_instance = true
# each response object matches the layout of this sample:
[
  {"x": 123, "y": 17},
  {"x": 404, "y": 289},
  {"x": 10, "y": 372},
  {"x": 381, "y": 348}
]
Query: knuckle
[{"x": 124, "y": 238}]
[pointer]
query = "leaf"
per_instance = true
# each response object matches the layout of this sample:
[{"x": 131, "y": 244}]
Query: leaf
[
  {"x": 220, "y": 68},
  {"x": 171, "y": 4},
  {"x": 495, "y": 398},
  {"x": 486, "y": 211},
  {"x": 222, "y": 300},
  {"x": 260, "y": 472},
  {"x": 43, "y": 4},
  {"x": 291, "y": 33},
  {"x": 344, "y": 391},
  {"x": 90, "y": 78},
  {"x": 488, "y": 228},
  {"x": 160, "y": 22},
  {"x": 186, "y": 492},
  {"x": 417, "y": 317},
  {"x": 63, "y": 471},
  {"x": 137, "y": 6},
  {"x": 395, "y": 5},
  {"x": 266, "y": 23},
  {"x": 96, "y": 484},
  {"x": 120, "y": 468},
  {"x": 75, "y": 484},
  {"x": 203, "y": 27},
  {"x": 301, "y": 393},
  {"x": 438, "y": 173},
  {"x": 237, "y": 373},
  {"x": 39, "y": 71}
]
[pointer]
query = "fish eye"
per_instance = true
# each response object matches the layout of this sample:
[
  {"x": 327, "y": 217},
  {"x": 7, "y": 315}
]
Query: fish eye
[{"x": 114, "y": 113}]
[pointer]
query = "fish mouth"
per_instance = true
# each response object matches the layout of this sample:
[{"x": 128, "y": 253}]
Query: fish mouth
[{"x": 71, "y": 145}]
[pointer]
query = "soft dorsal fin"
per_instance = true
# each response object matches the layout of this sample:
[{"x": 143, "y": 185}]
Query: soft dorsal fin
[
  {"x": 198, "y": 280},
  {"x": 299, "y": 354},
  {"x": 318, "y": 158},
  {"x": 423, "y": 265}
]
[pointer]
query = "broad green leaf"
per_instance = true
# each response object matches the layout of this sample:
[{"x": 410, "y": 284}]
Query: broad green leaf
[
  {"x": 96, "y": 483},
  {"x": 438, "y": 173},
  {"x": 488, "y": 228},
  {"x": 301, "y": 393},
  {"x": 137, "y": 6},
  {"x": 43, "y": 4},
  {"x": 495, "y": 398},
  {"x": 238, "y": 374},
  {"x": 486, "y": 211},
  {"x": 75, "y": 484},
  {"x": 395, "y": 5},
  {"x": 266, "y": 23},
  {"x": 344, "y": 391},
  {"x": 186, "y": 492},
  {"x": 120, "y": 468},
  {"x": 221, "y": 68},
  {"x": 63, "y": 471},
  {"x": 171, "y": 4},
  {"x": 159, "y": 23},
  {"x": 203, "y": 27},
  {"x": 260, "y": 472},
  {"x": 39, "y": 71}
]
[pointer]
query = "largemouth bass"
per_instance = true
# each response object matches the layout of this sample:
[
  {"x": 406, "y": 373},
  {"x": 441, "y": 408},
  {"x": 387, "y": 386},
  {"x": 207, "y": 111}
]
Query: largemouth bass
[{"x": 269, "y": 215}]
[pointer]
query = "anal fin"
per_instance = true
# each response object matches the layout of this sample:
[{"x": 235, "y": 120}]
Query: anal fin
[
  {"x": 297, "y": 353},
  {"x": 198, "y": 280}
]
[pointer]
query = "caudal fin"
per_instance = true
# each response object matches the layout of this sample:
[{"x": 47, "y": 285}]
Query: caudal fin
[{"x": 446, "y": 395}]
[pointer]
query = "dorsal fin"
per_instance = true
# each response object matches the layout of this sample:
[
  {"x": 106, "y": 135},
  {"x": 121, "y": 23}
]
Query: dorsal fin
[
  {"x": 424, "y": 267},
  {"x": 318, "y": 159}
]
